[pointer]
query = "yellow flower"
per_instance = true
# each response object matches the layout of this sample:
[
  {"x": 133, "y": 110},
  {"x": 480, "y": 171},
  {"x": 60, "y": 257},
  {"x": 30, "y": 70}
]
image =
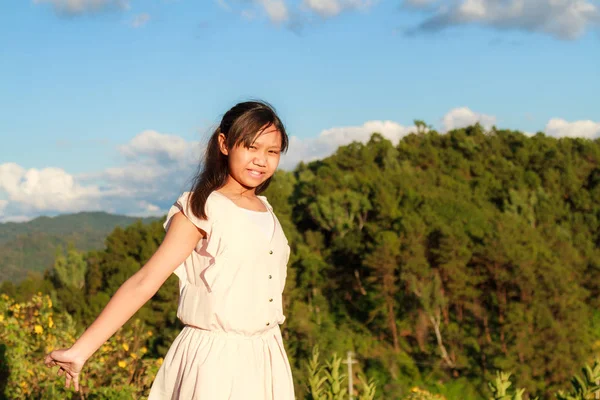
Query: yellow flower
[
  {"x": 144, "y": 350},
  {"x": 122, "y": 364},
  {"x": 1, "y": 317},
  {"x": 125, "y": 347},
  {"x": 149, "y": 333},
  {"x": 49, "y": 303},
  {"x": 38, "y": 329},
  {"x": 30, "y": 372},
  {"x": 50, "y": 322},
  {"x": 133, "y": 355},
  {"x": 159, "y": 361}
]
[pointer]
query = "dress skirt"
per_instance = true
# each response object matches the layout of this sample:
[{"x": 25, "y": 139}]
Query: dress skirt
[{"x": 219, "y": 365}]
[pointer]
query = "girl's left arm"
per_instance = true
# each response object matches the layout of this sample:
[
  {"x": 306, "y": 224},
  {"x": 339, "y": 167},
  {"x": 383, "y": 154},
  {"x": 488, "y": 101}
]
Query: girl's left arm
[{"x": 180, "y": 240}]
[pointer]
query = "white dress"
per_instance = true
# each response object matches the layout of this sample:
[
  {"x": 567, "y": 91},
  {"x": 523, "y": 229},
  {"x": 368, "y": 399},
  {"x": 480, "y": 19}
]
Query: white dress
[{"x": 230, "y": 302}]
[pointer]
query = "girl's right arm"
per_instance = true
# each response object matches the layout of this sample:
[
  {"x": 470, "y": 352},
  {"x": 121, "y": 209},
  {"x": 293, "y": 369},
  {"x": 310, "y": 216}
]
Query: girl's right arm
[{"x": 180, "y": 240}]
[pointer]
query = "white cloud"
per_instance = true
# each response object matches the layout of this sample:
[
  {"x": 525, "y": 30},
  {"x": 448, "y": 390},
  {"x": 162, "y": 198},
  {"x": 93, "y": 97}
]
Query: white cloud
[
  {"x": 330, "y": 139},
  {"x": 156, "y": 164},
  {"x": 15, "y": 218},
  {"x": 463, "y": 116},
  {"x": 78, "y": 7},
  {"x": 155, "y": 145},
  {"x": 295, "y": 14},
  {"x": 140, "y": 20},
  {"x": 330, "y": 8},
  {"x": 277, "y": 10},
  {"x": 344, "y": 135},
  {"x": 47, "y": 189},
  {"x": 564, "y": 19},
  {"x": 558, "y": 127},
  {"x": 326, "y": 8},
  {"x": 156, "y": 167}
]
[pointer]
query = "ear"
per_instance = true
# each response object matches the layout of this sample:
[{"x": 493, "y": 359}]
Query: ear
[{"x": 222, "y": 145}]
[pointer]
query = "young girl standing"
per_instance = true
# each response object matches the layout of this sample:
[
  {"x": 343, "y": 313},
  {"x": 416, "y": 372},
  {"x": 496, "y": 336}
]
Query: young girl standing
[{"x": 230, "y": 253}]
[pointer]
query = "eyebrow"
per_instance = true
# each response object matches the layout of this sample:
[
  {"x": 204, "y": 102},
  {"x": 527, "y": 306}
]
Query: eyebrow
[{"x": 256, "y": 142}]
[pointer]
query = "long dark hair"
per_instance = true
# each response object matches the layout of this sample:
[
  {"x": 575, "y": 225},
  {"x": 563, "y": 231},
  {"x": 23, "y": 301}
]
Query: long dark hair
[{"x": 240, "y": 126}]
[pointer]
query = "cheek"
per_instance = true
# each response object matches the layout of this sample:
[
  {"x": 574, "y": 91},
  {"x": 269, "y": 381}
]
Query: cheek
[
  {"x": 274, "y": 160},
  {"x": 238, "y": 159}
]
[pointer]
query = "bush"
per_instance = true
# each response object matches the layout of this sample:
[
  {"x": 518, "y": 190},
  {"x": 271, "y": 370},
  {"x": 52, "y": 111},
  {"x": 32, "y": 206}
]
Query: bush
[{"x": 30, "y": 330}]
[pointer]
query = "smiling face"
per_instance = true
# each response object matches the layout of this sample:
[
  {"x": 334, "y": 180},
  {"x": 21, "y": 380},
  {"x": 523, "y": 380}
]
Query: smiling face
[{"x": 251, "y": 166}]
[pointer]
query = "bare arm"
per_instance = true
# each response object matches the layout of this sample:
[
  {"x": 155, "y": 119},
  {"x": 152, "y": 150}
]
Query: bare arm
[{"x": 179, "y": 242}]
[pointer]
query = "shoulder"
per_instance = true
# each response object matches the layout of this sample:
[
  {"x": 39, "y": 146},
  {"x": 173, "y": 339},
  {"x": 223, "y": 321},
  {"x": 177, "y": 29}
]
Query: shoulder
[
  {"x": 213, "y": 197},
  {"x": 266, "y": 201},
  {"x": 213, "y": 207}
]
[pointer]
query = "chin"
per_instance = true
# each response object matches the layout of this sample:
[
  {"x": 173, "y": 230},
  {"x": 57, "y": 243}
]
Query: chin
[{"x": 252, "y": 184}]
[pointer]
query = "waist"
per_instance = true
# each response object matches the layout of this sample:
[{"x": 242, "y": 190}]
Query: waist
[{"x": 267, "y": 333}]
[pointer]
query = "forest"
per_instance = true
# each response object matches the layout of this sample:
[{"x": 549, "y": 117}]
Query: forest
[
  {"x": 31, "y": 246},
  {"x": 444, "y": 262}
]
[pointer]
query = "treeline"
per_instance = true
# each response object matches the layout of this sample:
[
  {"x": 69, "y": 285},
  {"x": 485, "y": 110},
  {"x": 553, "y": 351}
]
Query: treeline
[
  {"x": 438, "y": 261},
  {"x": 28, "y": 248}
]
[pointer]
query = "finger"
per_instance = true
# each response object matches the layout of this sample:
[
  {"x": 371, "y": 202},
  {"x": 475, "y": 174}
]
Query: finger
[
  {"x": 61, "y": 372},
  {"x": 76, "y": 383},
  {"x": 68, "y": 381},
  {"x": 49, "y": 361}
]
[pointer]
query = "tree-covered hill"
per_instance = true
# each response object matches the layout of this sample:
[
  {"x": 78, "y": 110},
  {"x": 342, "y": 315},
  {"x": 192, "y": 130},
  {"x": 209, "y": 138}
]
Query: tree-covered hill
[
  {"x": 30, "y": 246},
  {"x": 437, "y": 260},
  {"x": 446, "y": 257}
]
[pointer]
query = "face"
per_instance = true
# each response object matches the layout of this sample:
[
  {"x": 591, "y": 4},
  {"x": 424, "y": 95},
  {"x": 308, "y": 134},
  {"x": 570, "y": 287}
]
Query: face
[{"x": 249, "y": 167}]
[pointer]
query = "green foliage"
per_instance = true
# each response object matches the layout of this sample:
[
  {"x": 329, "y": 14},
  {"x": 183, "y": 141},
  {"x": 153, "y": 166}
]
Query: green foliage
[
  {"x": 367, "y": 387},
  {"x": 584, "y": 387},
  {"x": 69, "y": 270},
  {"x": 421, "y": 394},
  {"x": 30, "y": 246},
  {"x": 29, "y": 330},
  {"x": 500, "y": 388},
  {"x": 329, "y": 383},
  {"x": 495, "y": 250},
  {"x": 438, "y": 260}
]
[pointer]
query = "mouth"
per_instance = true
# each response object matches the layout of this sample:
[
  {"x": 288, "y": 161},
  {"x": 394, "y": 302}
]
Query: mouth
[{"x": 255, "y": 174}]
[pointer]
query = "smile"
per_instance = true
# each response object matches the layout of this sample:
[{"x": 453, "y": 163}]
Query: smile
[{"x": 256, "y": 174}]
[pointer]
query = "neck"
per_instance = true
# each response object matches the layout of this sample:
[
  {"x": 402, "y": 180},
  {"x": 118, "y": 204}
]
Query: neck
[{"x": 236, "y": 188}]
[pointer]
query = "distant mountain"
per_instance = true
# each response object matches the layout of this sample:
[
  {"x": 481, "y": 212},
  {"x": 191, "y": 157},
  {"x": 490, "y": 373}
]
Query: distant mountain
[{"x": 30, "y": 246}]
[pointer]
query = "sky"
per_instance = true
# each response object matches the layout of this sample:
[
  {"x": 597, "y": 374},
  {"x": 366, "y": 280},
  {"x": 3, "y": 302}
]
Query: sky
[{"x": 106, "y": 104}]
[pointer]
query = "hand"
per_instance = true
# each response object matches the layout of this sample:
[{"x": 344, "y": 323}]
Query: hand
[{"x": 69, "y": 365}]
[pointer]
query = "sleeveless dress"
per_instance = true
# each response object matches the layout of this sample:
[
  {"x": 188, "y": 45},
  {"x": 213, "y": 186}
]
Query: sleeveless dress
[{"x": 231, "y": 304}]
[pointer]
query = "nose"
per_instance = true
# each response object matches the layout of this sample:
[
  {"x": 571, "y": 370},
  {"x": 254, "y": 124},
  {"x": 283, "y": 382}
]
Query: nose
[{"x": 260, "y": 160}]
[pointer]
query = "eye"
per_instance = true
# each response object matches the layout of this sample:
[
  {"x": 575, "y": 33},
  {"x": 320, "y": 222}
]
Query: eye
[
  {"x": 274, "y": 152},
  {"x": 253, "y": 147}
]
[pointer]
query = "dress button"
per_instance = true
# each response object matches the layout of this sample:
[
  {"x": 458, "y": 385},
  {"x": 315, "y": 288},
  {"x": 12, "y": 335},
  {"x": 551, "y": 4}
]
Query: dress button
[
  {"x": 268, "y": 323},
  {"x": 270, "y": 251},
  {"x": 270, "y": 300},
  {"x": 270, "y": 277}
]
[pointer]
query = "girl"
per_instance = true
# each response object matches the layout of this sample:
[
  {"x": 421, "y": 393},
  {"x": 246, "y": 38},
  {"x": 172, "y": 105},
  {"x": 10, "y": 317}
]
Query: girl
[{"x": 227, "y": 247}]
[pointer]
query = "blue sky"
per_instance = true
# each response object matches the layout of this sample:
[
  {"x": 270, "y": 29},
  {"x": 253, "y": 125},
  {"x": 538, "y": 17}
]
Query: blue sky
[{"x": 105, "y": 103}]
